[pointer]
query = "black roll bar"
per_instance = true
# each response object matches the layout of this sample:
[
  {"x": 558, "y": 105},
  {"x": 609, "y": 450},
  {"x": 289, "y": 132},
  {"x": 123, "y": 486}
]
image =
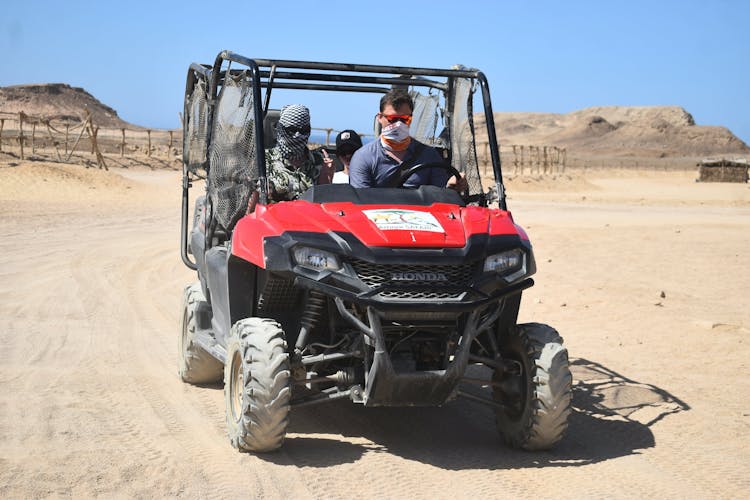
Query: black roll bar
[
  {"x": 274, "y": 70},
  {"x": 492, "y": 138},
  {"x": 288, "y": 75},
  {"x": 195, "y": 72}
]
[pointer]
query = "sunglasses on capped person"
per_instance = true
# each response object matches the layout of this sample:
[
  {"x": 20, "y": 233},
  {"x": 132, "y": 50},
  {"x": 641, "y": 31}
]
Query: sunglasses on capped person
[
  {"x": 293, "y": 129},
  {"x": 397, "y": 118}
]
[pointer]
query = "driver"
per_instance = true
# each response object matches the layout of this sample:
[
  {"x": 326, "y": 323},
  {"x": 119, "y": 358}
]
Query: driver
[{"x": 382, "y": 162}]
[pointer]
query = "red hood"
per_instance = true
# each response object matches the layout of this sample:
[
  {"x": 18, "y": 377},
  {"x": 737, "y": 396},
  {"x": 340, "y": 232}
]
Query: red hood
[{"x": 436, "y": 226}]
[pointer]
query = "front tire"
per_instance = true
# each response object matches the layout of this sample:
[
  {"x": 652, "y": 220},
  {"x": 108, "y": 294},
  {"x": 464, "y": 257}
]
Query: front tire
[
  {"x": 257, "y": 385},
  {"x": 196, "y": 365},
  {"x": 537, "y": 395}
]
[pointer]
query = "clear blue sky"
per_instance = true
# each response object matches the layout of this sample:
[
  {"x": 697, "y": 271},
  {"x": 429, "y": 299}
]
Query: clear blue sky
[{"x": 548, "y": 56}]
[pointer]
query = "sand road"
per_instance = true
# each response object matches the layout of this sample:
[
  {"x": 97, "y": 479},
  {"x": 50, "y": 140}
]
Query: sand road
[{"x": 646, "y": 276}]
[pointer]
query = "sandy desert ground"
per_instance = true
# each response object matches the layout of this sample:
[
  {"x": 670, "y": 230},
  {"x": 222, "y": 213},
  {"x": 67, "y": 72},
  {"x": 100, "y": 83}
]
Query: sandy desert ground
[{"x": 645, "y": 274}]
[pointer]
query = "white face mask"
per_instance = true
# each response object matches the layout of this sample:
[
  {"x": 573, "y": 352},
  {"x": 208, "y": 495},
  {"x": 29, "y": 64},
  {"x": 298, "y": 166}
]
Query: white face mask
[{"x": 395, "y": 136}]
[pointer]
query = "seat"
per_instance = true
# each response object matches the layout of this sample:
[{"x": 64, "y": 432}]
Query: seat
[{"x": 269, "y": 128}]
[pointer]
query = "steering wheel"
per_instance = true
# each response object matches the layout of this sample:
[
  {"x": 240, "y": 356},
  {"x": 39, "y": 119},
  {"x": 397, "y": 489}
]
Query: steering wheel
[{"x": 422, "y": 166}]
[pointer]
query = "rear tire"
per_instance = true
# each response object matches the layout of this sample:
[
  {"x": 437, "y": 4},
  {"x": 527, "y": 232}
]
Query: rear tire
[
  {"x": 196, "y": 365},
  {"x": 257, "y": 385},
  {"x": 537, "y": 400}
]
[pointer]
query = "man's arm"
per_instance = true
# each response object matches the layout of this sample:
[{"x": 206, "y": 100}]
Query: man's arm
[
  {"x": 360, "y": 171},
  {"x": 438, "y": 176},
  {"x": 326, "y": 169},
  {"x": 285, "y": 183}
]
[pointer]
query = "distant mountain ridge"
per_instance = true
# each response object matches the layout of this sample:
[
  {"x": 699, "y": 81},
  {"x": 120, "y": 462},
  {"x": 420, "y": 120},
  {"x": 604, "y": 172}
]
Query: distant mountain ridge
[
  {"x": 59, "y": 101},
  {"x": 650, "y": 131},
  {"x": 621, "y": 131}
]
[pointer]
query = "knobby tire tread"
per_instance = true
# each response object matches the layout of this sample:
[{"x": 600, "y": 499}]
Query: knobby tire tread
[
  {"x": 544, "y": 420},
  {"x": 267, "y": 385},
  {"x": 196, "y": 365}
]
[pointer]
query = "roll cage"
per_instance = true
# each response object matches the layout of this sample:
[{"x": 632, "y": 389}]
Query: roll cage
[{"x": 225, "y": 128}]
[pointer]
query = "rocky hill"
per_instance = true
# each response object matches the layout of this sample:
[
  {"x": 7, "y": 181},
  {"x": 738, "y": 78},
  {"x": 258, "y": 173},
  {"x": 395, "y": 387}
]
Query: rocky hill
[
  {"x": 638, "y": 131},
  {"x": 58, "y": 101},
  {"x": 612, "y": 131}
]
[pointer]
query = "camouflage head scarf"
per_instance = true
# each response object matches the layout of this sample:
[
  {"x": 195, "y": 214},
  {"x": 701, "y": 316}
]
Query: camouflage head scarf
[{"x": 292, "y": 131}]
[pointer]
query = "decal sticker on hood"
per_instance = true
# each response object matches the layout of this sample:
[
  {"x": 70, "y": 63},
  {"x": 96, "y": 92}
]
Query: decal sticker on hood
[{"x": 405, "y": 220}]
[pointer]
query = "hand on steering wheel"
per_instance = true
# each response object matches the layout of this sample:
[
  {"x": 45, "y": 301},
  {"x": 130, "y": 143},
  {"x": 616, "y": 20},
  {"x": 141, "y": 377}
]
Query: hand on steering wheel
[{"x": 452, "y": 172}]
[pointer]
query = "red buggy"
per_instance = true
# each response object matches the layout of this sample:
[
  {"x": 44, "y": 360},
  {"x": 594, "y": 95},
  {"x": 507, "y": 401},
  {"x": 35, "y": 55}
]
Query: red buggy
[{"x": 382, "y": 296}]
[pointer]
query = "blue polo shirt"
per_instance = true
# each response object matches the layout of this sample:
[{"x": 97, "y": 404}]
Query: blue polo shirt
[{"x": 371, "y": 167}]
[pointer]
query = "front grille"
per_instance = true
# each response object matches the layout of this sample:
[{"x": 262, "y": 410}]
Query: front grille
[
  {"x": 278, "y": 295},
  {"x": 421, "y": 294},
  {"x": 420, "y": 282}
]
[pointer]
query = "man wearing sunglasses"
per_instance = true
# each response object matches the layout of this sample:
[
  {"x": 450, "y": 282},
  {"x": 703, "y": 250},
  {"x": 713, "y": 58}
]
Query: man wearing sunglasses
[
  {"x": 292, "y": 167},
  {"x": 381, "y": 162}
]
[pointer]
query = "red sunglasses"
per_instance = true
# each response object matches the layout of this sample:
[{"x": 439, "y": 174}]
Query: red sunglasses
[{"x": 397, "y": 118}]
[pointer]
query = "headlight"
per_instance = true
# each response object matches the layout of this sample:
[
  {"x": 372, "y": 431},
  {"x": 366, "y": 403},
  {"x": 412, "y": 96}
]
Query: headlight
[
  {"x": 505, "y": 262},
  {"x": 316, "y": 259}
]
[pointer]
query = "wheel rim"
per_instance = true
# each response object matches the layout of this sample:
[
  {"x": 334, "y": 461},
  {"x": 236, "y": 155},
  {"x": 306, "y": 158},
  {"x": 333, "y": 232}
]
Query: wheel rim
[
  {"x": 512, "y": 390},
  {"x": 236, "y": 387}
]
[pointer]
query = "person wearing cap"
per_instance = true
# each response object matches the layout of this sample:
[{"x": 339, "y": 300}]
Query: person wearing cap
[
  {"x": 347, "y": 142},
  {"x": 291, "y": 167},
  {"x": 381, "y": 162}
]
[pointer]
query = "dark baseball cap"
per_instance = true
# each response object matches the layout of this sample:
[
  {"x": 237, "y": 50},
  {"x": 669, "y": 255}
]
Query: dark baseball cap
[{"x": 348, "y": 140}]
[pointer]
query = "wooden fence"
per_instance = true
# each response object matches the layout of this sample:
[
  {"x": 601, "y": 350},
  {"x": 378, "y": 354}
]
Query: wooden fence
[
  {"x": 34, "y": 137},
  {"x": 552, "y": 160},
  {"x": 522, "y": 159},
  {"x": 27, "y": 136}
]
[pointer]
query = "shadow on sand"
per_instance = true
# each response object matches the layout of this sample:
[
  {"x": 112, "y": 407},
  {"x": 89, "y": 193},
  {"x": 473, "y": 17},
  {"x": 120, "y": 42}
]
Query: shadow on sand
[{"x": 612, "y": 417}]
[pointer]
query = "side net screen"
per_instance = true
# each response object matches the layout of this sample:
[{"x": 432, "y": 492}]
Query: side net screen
[
  {"x": 424, "y": 117},
  {"x": 196, "y": 129},
  {"x": 233, "y": 171},
  {"x": 463, "y": 147}
]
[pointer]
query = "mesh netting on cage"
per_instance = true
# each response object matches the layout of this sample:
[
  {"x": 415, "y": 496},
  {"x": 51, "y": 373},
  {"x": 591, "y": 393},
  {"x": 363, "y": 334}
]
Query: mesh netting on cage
[
  {"x": 233, "y": 173},
  {"x": 194, "y": 141},
  {"x": 463, "y": 147},
  {"x": 424, "y": 117}
]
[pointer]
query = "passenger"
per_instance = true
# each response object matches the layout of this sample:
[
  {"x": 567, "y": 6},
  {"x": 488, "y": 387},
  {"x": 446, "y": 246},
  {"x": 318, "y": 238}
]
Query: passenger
[
  {"x": 292, "y": 167},
  {"x": 347, "y": 142},
  {"x": 381, "y": 162}
]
